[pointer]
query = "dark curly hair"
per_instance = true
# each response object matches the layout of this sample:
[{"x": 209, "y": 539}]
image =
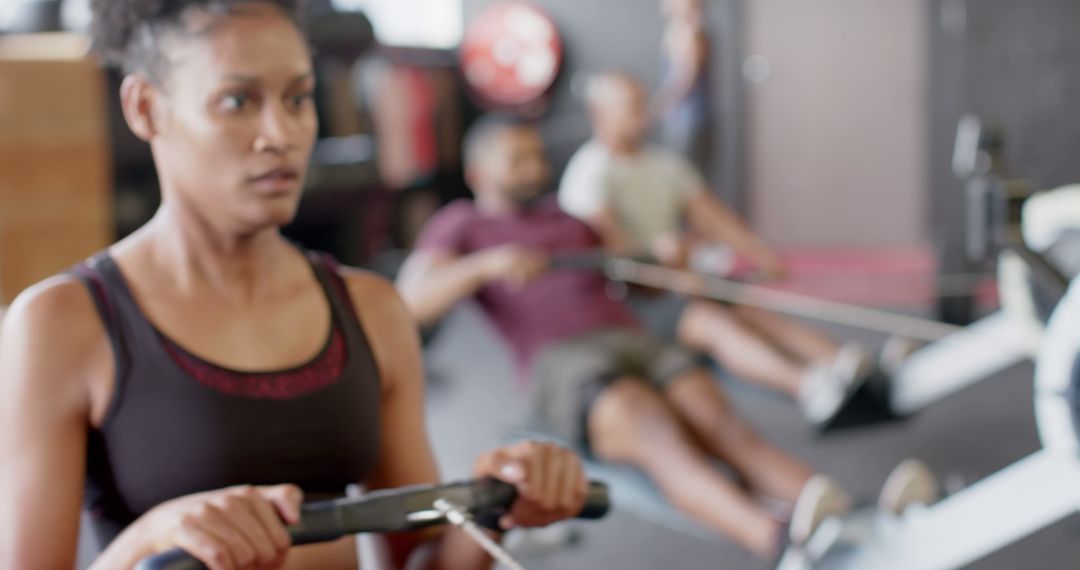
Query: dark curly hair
[{"x": 127, "y": 33}]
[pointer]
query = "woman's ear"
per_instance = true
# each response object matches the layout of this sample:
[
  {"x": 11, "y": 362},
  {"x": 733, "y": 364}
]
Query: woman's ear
[{"x": 137, "y": 99}]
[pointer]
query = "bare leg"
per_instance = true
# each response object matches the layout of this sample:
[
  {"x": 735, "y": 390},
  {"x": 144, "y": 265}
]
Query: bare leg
[
  {"x": 631, "y": 423},
  {"x": 808, "y": 344},
  {"x": 715, "y": 330},
  {"x": 700, "y": 403}
]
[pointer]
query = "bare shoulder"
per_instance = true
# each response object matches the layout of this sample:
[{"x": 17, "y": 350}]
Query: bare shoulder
[
  {"x": 60, "y": 305},
  {"x": 51, "y": 332},
  {"x": 379, "y": 306},
  {"x": 371, "y": 293}
]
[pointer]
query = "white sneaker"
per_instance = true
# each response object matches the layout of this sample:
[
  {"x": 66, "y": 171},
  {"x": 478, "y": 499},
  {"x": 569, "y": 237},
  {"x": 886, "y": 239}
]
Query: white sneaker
[
  {"x": 820, "y": 499},
  {"x": 852, "y": 363},
  {"x": 826, "y": 387},
  {"x": 911, "y": 483},
  {"x": 820, "y": 394}
]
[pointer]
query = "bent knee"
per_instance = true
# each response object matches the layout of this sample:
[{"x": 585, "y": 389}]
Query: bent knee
[
  {"x": 628, "y": 398},
  {"x": 629, "y": 415},
  {"x": 704, "y": 320}
]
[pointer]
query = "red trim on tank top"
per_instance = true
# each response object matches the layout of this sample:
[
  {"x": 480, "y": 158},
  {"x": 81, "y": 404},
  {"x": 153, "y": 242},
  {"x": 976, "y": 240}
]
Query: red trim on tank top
[{"x": 321, "y": 372}]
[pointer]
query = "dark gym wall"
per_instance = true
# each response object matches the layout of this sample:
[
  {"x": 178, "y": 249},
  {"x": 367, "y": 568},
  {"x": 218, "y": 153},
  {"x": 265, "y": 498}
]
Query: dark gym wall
[
  {"x": 1017, "y": 63},
  {"x": 1024, "y": 69},
  {"x": 625, "y": 35}
]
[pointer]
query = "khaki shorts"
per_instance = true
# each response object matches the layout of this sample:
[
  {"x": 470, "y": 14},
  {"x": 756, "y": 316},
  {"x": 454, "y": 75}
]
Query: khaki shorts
[{"x": 568, "y": 376}]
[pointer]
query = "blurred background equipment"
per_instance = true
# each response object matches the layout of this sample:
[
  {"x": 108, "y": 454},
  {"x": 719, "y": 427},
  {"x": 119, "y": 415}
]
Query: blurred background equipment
[
  {"x": 31, "y": 16},
  {"x": 55, "y": 181},
  {"x": 511, "y": 56},
  {"x": 1006, "y": 507}
]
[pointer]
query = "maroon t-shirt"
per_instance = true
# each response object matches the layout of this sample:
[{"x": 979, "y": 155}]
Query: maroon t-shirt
[{"x": 557, "y": 305}]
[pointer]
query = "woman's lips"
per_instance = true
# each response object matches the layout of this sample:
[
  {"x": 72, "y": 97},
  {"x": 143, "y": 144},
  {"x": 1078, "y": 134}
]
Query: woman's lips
[{"x": 276, "y": 181}]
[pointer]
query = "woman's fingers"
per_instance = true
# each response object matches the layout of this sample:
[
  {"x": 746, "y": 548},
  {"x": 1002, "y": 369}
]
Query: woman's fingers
[
  {"x": 240, "y": 510},
  {"x": 204, "y": 544},
  {"x": 549, "y": 479},
  {"x": 286, "y": 500}
]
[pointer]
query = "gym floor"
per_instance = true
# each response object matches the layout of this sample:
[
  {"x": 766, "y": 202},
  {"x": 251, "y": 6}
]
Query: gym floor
[{"x": 473, "y": 405}]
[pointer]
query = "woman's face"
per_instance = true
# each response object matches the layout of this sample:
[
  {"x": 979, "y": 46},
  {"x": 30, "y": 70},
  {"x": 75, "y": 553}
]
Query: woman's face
[{"x": 235, "y": 129}]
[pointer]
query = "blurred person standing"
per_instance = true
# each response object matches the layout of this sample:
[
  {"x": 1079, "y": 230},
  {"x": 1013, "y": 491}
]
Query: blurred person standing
[{"x": 682, "y": 105}]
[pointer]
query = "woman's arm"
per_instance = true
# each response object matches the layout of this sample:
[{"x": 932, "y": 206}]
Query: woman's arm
[
  {"x": 550, "y": 481},
  {"x": 405, "y": 455},
  {"x": 54, "y": 354},
  {"x": 48, "y": 342}
]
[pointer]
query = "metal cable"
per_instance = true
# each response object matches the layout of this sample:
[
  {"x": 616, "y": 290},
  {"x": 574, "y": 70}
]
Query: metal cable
[
  {"x": 460, "y": 518},
  {"x": 717, "y": 288}
]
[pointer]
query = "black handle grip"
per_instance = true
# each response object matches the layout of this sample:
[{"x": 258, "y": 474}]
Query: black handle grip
[
  {"x": 494, "y": 496},
  {"x": 388, "y": 511},
  {"x": 597, "y": 501},
  {"x": 319, "y": 522}
]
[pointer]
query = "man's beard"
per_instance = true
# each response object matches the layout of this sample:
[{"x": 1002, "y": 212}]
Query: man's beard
[{"x": 527, "y": 197}]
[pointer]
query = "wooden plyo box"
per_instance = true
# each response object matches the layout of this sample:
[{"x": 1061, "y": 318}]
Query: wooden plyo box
[{"x": 55, "y": 179}]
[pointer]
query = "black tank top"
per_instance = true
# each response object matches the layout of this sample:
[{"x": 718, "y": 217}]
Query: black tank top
[{"x": 178, "y": 425}]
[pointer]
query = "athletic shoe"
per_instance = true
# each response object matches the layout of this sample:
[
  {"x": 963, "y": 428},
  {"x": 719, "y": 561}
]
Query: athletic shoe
[
  {"x": 820, "y": 394},
  {"x": 820, "y": 499},
  {"x": 853, "y": 363},
  {"x": 827, "y": 387},
  {"x": 911, "y": 483}
]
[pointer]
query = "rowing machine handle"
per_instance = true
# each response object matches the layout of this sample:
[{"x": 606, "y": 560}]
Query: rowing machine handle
[
  {"x": 495, "y": 497},
  {"x": 326, "y": 520}
]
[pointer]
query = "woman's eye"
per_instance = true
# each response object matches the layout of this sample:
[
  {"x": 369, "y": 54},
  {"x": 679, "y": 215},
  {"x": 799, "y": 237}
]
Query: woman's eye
[
  {"x": 301, "y": 99},
  {"x": 235, "y": 102}
]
